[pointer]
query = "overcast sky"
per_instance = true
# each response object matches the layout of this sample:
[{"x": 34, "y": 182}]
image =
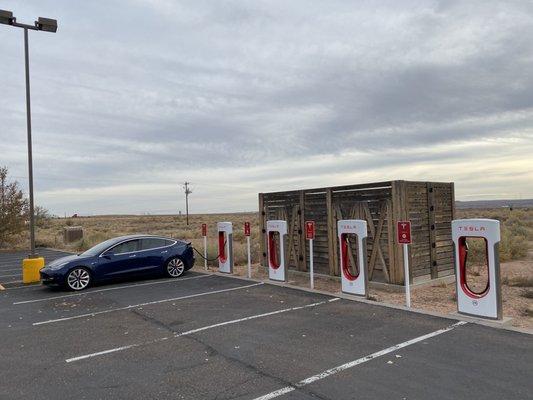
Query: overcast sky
[{"x": 132, "y": 98}]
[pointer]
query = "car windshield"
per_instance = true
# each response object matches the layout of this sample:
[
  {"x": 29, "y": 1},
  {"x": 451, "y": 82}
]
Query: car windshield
[{"x": 99, "y": 248}]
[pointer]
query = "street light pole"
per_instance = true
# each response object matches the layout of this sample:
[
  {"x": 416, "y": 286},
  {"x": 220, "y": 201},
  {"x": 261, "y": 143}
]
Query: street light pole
[
  {"x": 42, "y": 24},
  {"x": 30, "y": 154}
]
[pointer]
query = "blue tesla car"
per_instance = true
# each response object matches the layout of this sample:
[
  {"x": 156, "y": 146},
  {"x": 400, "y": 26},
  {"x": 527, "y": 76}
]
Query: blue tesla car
[{"x": 120, "y": 257}]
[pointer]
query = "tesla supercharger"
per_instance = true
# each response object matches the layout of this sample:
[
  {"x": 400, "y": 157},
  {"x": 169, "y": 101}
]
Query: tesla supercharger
[
  {"x": 225, "y": 247},
  {"x": 486, "y": 303},
  {"x": 277, "y": 245},
  {"x": 356, "y": 282}
]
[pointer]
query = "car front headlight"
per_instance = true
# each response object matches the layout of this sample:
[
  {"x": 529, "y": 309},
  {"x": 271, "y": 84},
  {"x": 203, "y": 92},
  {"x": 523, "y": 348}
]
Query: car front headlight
[{"x": 58, "y": 266}]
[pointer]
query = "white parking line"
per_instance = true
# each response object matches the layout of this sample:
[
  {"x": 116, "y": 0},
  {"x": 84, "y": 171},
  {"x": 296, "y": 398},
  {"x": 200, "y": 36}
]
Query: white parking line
[
  {"x": 112, "y": 288},
  {"x": 351, "y": 364},
  {"x": 192, "y": 331},
  {"x": 52, "y": 321},
  {"x": 12, "y": 270},
  {"x": 10, "y": 276}
]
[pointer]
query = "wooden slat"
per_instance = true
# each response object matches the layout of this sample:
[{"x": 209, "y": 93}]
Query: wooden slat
[
  {"x": 432, "y": 229},
  {"x": 376, "y": 241},
  {"x": 291, "y": 248},
  {"x": 302, "y": 266},
  {"x": 332, "y": 235},
  {"x": 399, "y": 213},
  {"x": 262, "y": 229}
]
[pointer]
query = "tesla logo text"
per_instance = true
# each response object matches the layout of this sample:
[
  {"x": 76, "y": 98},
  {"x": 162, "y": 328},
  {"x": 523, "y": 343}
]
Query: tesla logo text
[
  {"x": 472, "y": 228},
  {"x": 348, "y": 226}
]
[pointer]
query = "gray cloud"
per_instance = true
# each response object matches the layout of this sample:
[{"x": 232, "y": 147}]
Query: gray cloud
[{"x": 129, "y": 99}]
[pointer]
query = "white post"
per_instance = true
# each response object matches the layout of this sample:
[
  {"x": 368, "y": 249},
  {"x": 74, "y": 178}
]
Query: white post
[
  {"x": 249, "y": 257},
  {"x": 406, "y": 276},
  {"x": 311, "y": 272},
  {"x": 205, "y": 252}
]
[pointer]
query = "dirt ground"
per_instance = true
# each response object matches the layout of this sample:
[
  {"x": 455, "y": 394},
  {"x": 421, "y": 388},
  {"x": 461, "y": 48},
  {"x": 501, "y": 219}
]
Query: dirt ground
[{"x": 516, "y": 278}]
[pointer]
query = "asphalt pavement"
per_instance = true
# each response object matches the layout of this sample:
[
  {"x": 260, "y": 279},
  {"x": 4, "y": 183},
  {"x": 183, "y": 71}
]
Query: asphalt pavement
[{"x": 216, "y": 337}]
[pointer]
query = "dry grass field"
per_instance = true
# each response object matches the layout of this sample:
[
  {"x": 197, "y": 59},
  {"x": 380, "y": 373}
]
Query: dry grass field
[
  {"x": 99, "y": 228},
  {"x": 516, "y": 251}
]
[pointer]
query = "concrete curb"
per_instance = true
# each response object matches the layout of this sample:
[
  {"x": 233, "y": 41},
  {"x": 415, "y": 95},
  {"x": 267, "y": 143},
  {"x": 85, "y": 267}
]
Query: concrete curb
[
  {"x": 453, "y": 316},
  {"x": 388, "y": 287}
]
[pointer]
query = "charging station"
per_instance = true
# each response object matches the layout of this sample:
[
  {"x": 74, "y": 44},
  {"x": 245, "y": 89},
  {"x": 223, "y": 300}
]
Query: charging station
[
  {"x": 277, "y": 245},
  {"x": 225, "y": 247},
  {"x": 486, "y": 303},
  {"x": 353, "y": 282}
]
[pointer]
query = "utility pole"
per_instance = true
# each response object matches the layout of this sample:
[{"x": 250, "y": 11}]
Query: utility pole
[{"x": 187, "y": 193}]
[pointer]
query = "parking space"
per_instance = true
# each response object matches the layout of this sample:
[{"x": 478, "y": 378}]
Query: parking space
[
  {"x": 217, "y": 337},
  {"x": 11, "y": 263}
]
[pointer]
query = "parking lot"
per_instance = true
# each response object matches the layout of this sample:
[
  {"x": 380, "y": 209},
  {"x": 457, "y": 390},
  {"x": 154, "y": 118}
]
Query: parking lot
[
  {"x": 207, "y": 336},
  {"x": 11, "y": 264}
]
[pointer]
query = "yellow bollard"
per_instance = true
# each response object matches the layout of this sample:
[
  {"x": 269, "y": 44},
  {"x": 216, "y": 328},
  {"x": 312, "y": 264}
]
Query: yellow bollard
[{"x": 31, "y": 268}]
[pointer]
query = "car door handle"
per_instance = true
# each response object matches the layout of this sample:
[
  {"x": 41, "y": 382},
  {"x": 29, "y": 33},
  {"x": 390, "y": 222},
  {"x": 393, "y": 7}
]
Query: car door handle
[
  {"x": 133, "y": 255},
  {"x": 164, "y": 251}
]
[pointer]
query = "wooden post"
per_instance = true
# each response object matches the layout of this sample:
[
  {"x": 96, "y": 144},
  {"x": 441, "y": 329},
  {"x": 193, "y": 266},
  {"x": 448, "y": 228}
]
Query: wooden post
[
  {"x": 432, "y": 230},
  {"x": 303, "y": 254},
  {"x": 452, "y": 186},
  {"x": 332, "y": 232},
  {"x": 390, "y": 237},
  {"x": 262, "y": 230},
  {"x": 399, "y": 213}
]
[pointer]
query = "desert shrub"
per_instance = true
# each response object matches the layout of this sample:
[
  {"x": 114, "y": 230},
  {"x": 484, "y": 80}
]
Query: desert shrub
[
  {"x": 517, "y": 226},
  {"x": 81, "y": 245},
  {"x": 516, "y": 230},
  {"x": 48, "y": 240},
  {"x": 240, "y": 253},
  {"x": 512, "y": 247},
  {"x": 13, "y": 209},
  {"x": 42, "y": 216},
  {"x": 476, "y": 251},
  {"x": 521, "y": 281},
  {"x": 90, "y": 241}
]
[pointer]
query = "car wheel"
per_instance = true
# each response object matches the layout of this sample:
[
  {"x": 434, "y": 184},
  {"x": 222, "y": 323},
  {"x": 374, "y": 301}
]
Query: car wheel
[
  {"x": 175, "y": 267},
  {"x": 78, "y": 279}
]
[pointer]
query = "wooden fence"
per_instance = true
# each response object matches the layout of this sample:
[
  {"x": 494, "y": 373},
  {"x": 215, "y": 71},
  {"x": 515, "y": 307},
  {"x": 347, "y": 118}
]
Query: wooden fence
[{"x": 429, "y": 206}]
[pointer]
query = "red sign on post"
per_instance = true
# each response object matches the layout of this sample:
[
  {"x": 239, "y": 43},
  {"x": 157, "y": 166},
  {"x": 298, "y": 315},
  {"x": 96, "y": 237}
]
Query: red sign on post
[
  {"x": 310, "y": 230},
  {"x": 247, "y": 229},
  {"x": 404, "y": 232},
  {"x": 204, "y": 230}
]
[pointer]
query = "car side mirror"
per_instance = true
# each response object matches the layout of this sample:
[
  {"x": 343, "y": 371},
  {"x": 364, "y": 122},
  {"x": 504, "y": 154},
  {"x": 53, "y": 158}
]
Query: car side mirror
[{"x": 107, "y": 255}]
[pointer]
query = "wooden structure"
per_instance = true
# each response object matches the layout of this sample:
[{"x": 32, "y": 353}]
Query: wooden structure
[{"x": 429, "y": 205}]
